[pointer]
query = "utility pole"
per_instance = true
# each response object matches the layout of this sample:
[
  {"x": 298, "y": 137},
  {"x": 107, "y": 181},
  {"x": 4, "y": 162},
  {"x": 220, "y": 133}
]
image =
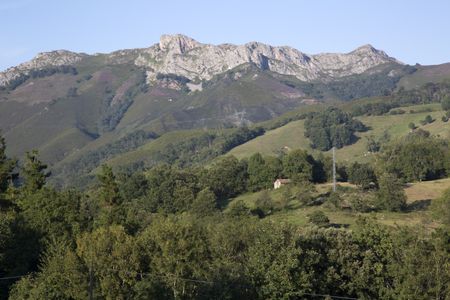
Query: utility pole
[
  {"x": 334, "y": 169},
  {"x": 91, "y": 283}
]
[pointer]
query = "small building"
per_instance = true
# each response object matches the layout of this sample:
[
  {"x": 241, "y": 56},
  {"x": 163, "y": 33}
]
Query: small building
[{"x": 280, "y": 182}]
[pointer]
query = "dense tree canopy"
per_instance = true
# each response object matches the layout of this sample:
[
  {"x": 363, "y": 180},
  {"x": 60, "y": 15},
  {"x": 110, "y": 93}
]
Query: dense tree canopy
[
  {"x": 164, "y": 234},
  {"x": 418, "y": 156},
  {"x": 331, "y": 127}
]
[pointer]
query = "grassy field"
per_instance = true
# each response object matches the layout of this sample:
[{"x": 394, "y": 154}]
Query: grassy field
[
  {"x": 426, "y": 189},
  {"x": 416, "y": 192},
  {"x": 291, "y": 136}
]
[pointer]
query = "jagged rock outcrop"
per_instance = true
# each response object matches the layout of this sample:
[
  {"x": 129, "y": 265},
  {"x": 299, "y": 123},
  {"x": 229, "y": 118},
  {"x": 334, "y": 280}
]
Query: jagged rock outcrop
[
  {"x": 42, "y": 60},
  {"x": 181, "y": 55},
  {"x": 184, "y": 56}
]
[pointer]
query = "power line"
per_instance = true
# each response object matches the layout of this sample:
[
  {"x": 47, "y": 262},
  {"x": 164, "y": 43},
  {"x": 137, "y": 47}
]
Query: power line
[
  {"x": 12, "y": 277},
  {"x": 195, "y": 281}
]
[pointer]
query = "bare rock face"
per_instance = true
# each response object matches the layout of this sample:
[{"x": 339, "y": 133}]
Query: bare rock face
[
  {"x": 183, "y": 56},
  {"x": 42, "y": 60}
]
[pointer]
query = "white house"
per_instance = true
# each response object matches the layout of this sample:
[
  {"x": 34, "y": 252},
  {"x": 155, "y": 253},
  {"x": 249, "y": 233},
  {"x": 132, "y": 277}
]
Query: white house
[{"x": 279, "y": 182}]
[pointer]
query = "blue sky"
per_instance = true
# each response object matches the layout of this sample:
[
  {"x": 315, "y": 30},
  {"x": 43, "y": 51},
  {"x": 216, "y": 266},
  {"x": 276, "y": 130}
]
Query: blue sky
[{"x": 412, "y": 31}]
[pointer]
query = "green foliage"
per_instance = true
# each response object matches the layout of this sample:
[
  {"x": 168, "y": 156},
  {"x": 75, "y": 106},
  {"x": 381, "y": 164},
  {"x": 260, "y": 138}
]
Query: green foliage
[
  {"x": 205, "y": 203},
  {"x": 305, "y": 192},
  {"x": 362, "y": 175},
  {"x": 242, "y": 135},
  {"x": 264, "y": 203},
  {"x": 161, "y": 252},
  {"x": 176, "y": 249},
  {"x": 33, "y": 172},
  {"x": 390, "y": 195},
  {"x": 363, "y": 202},
  {"x": 115, "y": 106},
  {"x": 227, "y": 178},
  {"x": 108, "y": 187},
  {"x": 263, "y": 171},
  {"x": 298, "y": 165},
  {"x": 6, "y": 168},
  {"x": 441, "y": 208},
  {"x": 417, "y": 156},
  {"x": 319, "y": 218},
  {"x": 428, "y": 93},
  {"x": 428, "y": 120},
  {"x": 359, "y": 86},
  {"x": 331, "y": 127},
  {"x": 109, "y": 253},
  {"x": 238, "y": 208},
  {"x": 39, "y": 73},
  {"x": 171, "y": 76},
  {"x": 94, "y": 158},
  {"x": 61, "y": 276},
  {"x": 171, "y": 190},
  {"x": 445, "y": 103}
]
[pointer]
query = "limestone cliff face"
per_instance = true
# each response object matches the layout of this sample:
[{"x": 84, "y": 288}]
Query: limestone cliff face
[
  {"x": 184, "y": 56},
  {"x": 42, "y": 60},
  {"x": 181, "y": 55}
]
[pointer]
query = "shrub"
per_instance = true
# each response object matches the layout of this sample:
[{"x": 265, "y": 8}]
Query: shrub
[
  {"x": 265, "y": 203},
  {"x": 391, "y": 195},
  {"x": 319, "y": 218}
]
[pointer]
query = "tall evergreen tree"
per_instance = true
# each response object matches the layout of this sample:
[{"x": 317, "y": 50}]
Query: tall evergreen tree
[
  {"x": 34, "y": 172},
  {"x": 6, "y": 166}
]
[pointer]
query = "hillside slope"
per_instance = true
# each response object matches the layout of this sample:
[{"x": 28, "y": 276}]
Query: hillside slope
[
  {"x": 74, "y": 107},
  {"x": 291, "y": 135}
]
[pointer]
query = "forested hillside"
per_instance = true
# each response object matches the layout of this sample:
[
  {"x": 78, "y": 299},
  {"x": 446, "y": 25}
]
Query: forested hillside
[
  {"x": 178, "y": 234},
  {"x": 149, "y": 174}
]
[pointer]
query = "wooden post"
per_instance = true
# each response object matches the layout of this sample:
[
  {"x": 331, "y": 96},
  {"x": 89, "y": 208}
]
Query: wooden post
[{"x": 334, "y": 169}]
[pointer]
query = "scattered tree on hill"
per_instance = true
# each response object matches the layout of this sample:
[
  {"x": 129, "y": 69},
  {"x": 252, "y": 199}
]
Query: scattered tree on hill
[
  {"x": 428, "y": 120},
  {"x": 331, "y": 127},
  {"x": 33, "y": 172},
  {"x": 445, "y": 103},
  {"x": 441, "y": 208},
  {"x": 298, "y": 166},
  {"x": 390, "y": 195},
  {"x": 305, "y": 192},
  {"x": 264, "y": 202},
  {"x": 238, "y": 208},
  {"x": 318, "y": 218},
  {"x": 373, "y": 145},
  {"x": 417, "y": 156},
  {"x": 263, "y": 171},
  {"x": 362, "y": 175}
]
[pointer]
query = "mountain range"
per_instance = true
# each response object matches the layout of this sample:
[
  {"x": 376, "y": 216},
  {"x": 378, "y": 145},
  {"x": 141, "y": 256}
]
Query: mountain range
[{"x": 68, "y": 104}]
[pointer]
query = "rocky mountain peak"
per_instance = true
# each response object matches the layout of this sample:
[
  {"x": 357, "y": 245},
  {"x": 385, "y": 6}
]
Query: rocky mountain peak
[
  {"x": 184, "y": 56},
  {"x": 52, "y": 58},
  {"x": 177, "y": 43}
]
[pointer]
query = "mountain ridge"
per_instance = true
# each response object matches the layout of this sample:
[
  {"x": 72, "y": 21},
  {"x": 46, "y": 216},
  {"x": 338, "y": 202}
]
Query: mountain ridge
[
  {"x": 184, "y": 56},
  {"x": 80, "y": 110}
]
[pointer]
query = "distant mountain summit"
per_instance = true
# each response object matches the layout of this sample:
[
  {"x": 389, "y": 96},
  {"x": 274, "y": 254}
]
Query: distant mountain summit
[
  {"x": 80, "y": 110},
  {"x": 183, "y": 56}
]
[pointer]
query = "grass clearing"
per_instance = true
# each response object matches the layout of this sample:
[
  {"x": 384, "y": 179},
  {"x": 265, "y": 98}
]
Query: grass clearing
[
  {"x": 298, "y": 214},
  {"x": 291, "y": 135}
]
